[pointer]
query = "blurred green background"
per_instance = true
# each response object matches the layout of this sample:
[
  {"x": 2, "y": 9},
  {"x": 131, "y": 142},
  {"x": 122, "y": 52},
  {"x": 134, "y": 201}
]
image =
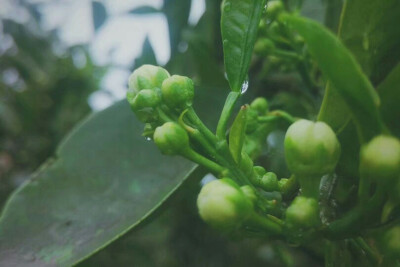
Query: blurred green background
[{"x": 60, "y": 60}]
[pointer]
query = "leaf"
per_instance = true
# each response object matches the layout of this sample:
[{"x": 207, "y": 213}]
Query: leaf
[
  {"x": 177, "y": 13},
  {"x": 99, "y": 14},
  {"x": 147, "y": 56},
  {"x": 343, "y": 72},
  {"x": 144, "y": 10},
  {"x": 237, "y": 134},
  {"x": 389, "y": 91},
  {"x": 369, "y": 30},
  {"x": 105, "y": 180},
  {"x": 239, "y": 25}
]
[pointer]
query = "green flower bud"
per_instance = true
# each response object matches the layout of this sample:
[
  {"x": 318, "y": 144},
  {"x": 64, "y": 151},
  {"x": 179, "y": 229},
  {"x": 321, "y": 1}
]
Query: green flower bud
[
  {"x": 269, "y": 182},
  {"x": 282, "y": 183},
  {"x": 171, "y": 138},
  {"x": 177, "y": 92},
  {"x": 260, "y": 104},
  {"x": 274, "y": 8},
  {"x": 223, "y": 205},
  {"x": 311, "y": 148},
  {"x": 390, "y": 242},
  {"x": 380, "y": 159},
  {"x": 303, "y": 213},
  {"x": 264, "y": 46},
  {"x": 147, "y": 77},
  {"x": 259, "y": 170},
  {"x": 145, "y": 98}
]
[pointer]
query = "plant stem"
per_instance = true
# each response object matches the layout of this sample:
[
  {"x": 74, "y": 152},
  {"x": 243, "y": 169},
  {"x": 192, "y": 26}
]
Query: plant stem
[
  {"x": 199, "y": 159},
  {"x": 290, "y": 188},
  {"x": 200, "y": 126},
  {"x": 265, "y": 224},
  {"x": 226, "y": 114}
]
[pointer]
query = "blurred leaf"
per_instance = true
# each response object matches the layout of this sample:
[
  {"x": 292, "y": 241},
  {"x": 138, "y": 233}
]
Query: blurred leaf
[
  {"x": 100, "y": 185},
  {"x": 144, "y": 10},
  {"x": 99, "y": 13},
  {"x": 389, "y": 91},
  {"x": 349, "y": 80},
  {"x": 239, "y": 25},
  {"x": 369, "y": 30},
  {"x": 147, "y": 56},
  {"x": 104, "y": 180},
  {"x": 177, "y": 13}
]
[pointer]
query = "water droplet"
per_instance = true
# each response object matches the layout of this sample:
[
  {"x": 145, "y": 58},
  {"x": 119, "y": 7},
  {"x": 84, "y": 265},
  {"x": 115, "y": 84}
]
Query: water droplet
[
  {"x": 227, "y": 6},
  {"x": 147, "y": 138},
  {"x": 245, "y": 86}
]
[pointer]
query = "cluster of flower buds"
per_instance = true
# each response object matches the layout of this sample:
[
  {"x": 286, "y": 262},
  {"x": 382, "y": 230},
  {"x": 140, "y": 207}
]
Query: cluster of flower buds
[{"x": 156, "y": 97}]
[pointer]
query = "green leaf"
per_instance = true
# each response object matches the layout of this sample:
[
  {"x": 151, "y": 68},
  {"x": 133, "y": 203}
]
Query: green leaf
[
  {"x": 389, "y": 91},
  {"x": 237, "y": 134},
  {"x": 343, "y": 72},
  {"x": 147, "y": 56},
  {"x": 144, "y": 10},
  {"x": 239, "y": 25},
  {"x": 104, "y": 180},
  {"x": 369, "y": 30}
]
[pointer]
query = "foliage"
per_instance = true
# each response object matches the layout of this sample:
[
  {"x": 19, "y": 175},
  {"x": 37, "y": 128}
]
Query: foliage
[{"x": 106, "y": 179}]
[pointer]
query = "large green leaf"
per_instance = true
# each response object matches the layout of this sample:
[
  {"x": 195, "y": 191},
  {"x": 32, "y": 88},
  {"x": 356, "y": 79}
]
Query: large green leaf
[
  {"x": 343, "y": 72},
  {"x": 104, "y": 180},
  {"x": 369, "y": 30},
  {"x": 239, "y": 25},
  {"x": 389, "y": 91}
]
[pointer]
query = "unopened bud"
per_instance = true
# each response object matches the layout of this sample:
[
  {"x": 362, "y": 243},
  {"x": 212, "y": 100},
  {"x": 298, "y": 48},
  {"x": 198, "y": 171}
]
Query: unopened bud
[
  {"x": 147, "y": 77},
  {"x": 178, "y": 92},
  {"x": 311, "y": 148},
  {"x": 223, "y": 205},
  {"x": 303, "y": 213},
  {"x": 380, "y": 159},
  {"x": 171, "y": 138}
]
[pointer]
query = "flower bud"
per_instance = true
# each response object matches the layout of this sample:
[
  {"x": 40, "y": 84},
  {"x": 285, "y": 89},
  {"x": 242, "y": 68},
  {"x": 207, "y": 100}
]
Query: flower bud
[
  {"x": 311, "y": 148},
  {"x": 303, "y": 213},
  {"x": 260, "y": 104},
  {"x": 178, "y": 92},
  {"x": 274, "y": 8},
  {"x": 380, "y": 159},
  {"x": 223, "y": 205},
  {"x": 147, "y": 77},
  {"x": 145, "y": 98},
  {"x": 171, "y": 138},
  {"x": 269, "y": 182},
  {"x": 264, "y": 46}
]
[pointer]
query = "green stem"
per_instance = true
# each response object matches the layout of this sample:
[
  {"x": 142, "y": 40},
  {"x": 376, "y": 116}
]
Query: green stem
[
  {"x": 287, "y": 54},
  {"x": 199, "y": 159},
  {"x": 266, "y": 224},
  {"x": 226, "y": 114},
  {"x": 372, "y": 255},
  {"x": 284, "y": 115},
  {"x": 310, "y": 186},
  {"x": 200, "y": 125},
  {"x": 164, "y": 117}
]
